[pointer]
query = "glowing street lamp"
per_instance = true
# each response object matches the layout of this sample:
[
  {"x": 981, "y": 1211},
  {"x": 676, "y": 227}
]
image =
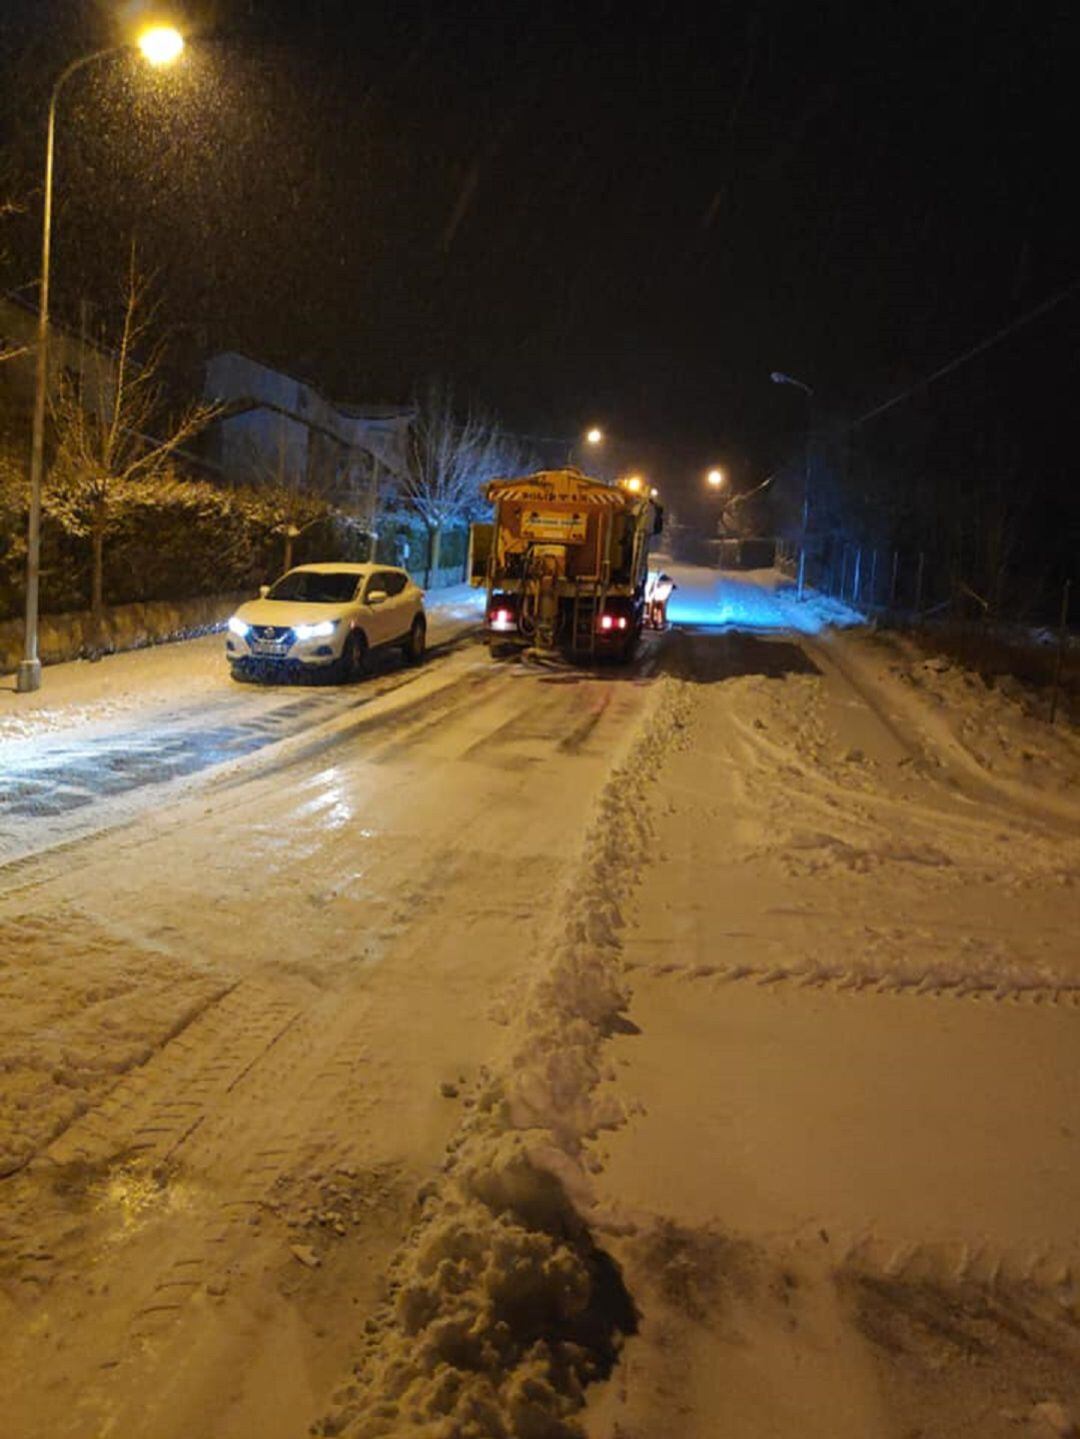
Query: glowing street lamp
[
  {"x": 595, "y": 436},
  {"x": 716, "y": 479},
  {"x": 160, "y": 45},
  {"x": 634, "y": 483}
]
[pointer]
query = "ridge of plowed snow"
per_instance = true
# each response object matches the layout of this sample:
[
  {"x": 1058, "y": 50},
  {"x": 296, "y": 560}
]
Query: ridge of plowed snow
[{"x": 502, "y": 1308}]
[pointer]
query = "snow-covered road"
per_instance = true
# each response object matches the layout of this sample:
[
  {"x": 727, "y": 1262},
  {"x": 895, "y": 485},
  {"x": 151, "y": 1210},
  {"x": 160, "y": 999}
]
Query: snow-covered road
[
  {"x": 392, "y": 1066},
  {"x": 846, "y": 1197},
  {"x": 104, "y": 739}
]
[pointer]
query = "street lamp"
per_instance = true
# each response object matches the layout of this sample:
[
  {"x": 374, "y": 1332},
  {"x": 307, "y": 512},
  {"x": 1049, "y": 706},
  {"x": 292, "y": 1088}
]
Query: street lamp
[
  {"x": 160, "y": 45},
  {"x": 715, "y": 479},
  {"x": 779, "y": 378},
  {"x": 593, "y": 437}
]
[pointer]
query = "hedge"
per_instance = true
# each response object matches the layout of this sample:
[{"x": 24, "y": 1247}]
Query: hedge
[{"x": 169, "y": 540}]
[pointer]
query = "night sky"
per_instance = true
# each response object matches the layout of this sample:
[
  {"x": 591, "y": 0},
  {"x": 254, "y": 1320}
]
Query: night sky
[{"x": 591, "y": 212}]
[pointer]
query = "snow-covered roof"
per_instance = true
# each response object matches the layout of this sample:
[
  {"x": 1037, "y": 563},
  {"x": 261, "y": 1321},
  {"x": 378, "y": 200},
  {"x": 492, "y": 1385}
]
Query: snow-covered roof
[{"x": 347, "y": 567}]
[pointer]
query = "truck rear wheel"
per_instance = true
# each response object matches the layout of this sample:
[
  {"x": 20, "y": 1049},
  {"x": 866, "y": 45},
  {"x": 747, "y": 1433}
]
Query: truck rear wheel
[{"x": 630, "y": 646}]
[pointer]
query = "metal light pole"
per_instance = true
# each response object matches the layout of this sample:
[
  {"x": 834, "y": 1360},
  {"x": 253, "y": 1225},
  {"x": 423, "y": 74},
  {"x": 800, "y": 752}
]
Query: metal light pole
[
  {"x": 160, "y": 45},
  {"x": 779, "y": 378}
]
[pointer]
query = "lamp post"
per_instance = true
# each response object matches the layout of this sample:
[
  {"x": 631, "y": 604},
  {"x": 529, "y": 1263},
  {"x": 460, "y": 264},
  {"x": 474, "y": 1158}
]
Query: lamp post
[
  {"x": 594, "y": 437},
  {"x": 160, "y": 45},
  {"x": 779, "y": 378}
]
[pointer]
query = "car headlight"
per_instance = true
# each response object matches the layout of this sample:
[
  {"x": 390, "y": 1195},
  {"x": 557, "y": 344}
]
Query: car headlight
[
  {"x": 315, "y": 632},
  {"x": 239, "y": 627}
]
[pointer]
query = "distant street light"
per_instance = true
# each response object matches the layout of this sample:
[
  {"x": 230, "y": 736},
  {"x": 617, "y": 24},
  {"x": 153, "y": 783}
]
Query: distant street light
[
  {"x": 634, "y": 483},
  {"x": 716, "y": 479},
  {"x": 779, "y": 378},
  {"x": 594, "y": 437},
  {"x": 160, "y": 45}
]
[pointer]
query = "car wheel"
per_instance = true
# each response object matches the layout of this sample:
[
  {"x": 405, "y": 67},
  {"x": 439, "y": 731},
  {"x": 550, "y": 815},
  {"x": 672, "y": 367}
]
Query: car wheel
[
  {"x": 414, "y": 646},
  {"x": 239, "y": 674},
  {"x": 353, "y": 658}
]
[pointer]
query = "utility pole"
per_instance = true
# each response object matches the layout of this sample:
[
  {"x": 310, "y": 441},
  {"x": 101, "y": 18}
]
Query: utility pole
[{"x": 779, "y": 378}]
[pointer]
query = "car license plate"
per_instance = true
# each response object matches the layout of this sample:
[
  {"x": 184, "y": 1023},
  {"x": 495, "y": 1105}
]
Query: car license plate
[{"x": 269, "y": 647}]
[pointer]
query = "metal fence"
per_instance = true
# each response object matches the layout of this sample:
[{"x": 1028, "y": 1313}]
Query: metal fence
[{"x": 913, "y": 589}]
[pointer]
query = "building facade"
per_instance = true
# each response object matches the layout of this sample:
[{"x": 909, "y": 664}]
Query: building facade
[{"x": 279, "y": 430}]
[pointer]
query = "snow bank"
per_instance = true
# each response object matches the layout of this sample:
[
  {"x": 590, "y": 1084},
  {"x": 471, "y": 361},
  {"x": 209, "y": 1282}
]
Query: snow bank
[
  {"x": 502, "y": 1309},
  {"x": 1002, "y": 723}
]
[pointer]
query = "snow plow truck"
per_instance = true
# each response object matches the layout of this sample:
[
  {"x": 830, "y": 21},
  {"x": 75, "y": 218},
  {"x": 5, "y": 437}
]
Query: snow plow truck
[{"x": 564, "y": 562}]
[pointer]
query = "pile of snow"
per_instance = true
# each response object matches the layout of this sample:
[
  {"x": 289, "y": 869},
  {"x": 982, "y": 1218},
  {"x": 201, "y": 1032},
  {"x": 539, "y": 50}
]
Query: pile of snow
[
  {"x": 1002, "y": 723},
  {"x": 502, "y": 1308}
]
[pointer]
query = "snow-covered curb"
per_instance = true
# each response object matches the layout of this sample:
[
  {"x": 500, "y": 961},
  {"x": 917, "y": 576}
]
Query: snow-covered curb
[
  {"x": 502, "y": 1309},
  {"x": 126, "y": 627}
]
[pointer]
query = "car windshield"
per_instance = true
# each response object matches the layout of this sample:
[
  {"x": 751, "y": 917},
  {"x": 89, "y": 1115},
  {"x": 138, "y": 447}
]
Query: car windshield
[{"x": 315, "y": 588}]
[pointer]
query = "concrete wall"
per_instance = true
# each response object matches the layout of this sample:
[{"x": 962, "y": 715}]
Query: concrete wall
[
  {"x": 127, "y": 627},
  {"x": 130, "y": 627}
]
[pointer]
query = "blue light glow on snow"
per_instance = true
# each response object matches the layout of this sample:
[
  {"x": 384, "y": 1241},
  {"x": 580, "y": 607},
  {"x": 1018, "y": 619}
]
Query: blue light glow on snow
[{"x": 760, "y": 602}]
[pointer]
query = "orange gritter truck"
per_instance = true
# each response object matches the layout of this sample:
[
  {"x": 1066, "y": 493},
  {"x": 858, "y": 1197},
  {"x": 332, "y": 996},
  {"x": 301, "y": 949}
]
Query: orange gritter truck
[{"x": 564, "y": 562}]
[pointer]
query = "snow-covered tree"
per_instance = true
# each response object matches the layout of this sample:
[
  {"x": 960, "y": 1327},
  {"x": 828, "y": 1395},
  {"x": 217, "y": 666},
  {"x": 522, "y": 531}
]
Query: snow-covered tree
[
  {"x": 450, "y": 456},
  {"x": 280, "y": 480},
  {"x": 113, "y": 431}
]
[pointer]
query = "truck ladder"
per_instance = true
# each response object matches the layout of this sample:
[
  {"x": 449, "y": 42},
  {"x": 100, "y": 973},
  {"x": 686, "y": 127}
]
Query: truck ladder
[{"x": 588, "y": 605}]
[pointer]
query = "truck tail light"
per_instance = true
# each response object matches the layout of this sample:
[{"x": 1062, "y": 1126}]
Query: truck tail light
[
  {"x": 612, "y": 622},
  {"x": 502, "y": 620}
]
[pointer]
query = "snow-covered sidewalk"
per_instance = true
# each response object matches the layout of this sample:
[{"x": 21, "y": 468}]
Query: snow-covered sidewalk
[{"x": 182, "y": 674}]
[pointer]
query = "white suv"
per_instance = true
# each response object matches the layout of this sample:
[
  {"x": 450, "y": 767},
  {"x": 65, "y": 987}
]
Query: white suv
[{"x": 327, "y": 617}]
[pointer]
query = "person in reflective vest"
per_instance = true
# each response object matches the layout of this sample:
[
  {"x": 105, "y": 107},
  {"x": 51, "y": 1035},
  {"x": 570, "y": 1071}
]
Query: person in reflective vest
[{"x": 658, "y": 590}]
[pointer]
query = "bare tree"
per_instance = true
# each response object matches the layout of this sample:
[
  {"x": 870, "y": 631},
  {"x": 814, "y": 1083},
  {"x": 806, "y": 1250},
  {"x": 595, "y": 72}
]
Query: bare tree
[
  {"x": 448, "y": 459},
  {"x": 9, "y": 351},
  {"x": 280, "y": 480},
  {"x": 113, "y": 432}
]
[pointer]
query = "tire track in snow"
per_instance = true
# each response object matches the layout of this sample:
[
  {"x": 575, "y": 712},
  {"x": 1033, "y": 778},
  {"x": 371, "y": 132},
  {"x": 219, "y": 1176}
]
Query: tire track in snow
[
  {"x": 285, "y": 750},
  {"x": 855, "y": 982},
  {"x": 501, "y": 1262},
  {"x": 957, "y": 766}
]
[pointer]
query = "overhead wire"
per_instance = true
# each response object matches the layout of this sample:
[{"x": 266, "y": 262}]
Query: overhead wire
[{"x": 980, "y": 348}]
